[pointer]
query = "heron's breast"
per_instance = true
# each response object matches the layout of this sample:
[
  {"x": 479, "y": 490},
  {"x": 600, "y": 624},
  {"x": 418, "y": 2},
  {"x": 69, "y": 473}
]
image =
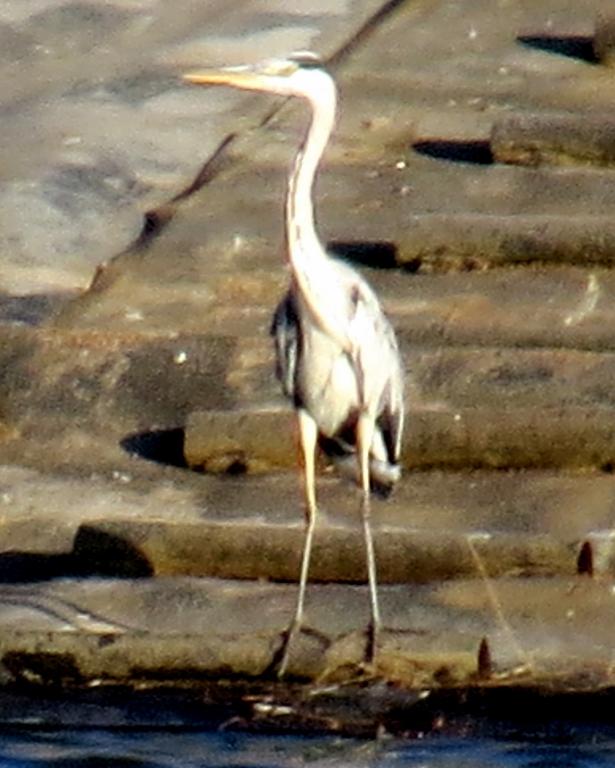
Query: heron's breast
[{"x": 327, "y": 382}]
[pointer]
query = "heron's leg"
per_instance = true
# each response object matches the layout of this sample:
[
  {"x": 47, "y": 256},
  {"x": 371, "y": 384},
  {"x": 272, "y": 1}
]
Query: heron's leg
[
  {"x": 308, "y": 435},
  {"x": 365, "y": 433},
  {"x": 308, "y": 432}
]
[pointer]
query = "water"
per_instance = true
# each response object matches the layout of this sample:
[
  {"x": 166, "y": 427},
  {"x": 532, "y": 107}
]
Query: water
[{"x": 133, "y": 749}]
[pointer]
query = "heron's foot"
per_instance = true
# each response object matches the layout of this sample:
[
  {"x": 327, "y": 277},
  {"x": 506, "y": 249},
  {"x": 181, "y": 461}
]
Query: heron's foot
[
  {"x": 370, "y": 660},
  {"x": 282, "y": 655}
]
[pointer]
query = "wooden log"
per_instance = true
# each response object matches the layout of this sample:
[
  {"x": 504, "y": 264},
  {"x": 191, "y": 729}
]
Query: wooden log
[
  {"x": 467, "y": 407},
  {"x": 512, "y": 438},
  {"x": 241, "y": 441},
  {"x": 604, "y": 38},
  {"x": 477, "y": 241},
  {"x": 539, "y": 631},
  {"x": 463, "y": 437},
  {"x": 564, "y": 307},
  {"x": 554, "y": 139},
  {"x": 261, "y": 549}
]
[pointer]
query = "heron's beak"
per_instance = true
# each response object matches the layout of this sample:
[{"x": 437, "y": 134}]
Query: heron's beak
[{"x": 239, "y": 77}]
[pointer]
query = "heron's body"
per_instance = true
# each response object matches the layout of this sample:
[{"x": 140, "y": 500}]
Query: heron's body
[
  {"x": 318, "y": 375},
  {"x": 337, "y": 356}
]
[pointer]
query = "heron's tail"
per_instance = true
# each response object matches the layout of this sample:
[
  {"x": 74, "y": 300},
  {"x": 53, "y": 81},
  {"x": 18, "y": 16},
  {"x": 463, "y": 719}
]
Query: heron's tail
[{"x": 383, "y": 473}]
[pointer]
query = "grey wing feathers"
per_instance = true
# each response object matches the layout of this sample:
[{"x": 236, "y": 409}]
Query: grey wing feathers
[
  {"x": 391, "y": 407},
  {"x": 285, "y": 332}
]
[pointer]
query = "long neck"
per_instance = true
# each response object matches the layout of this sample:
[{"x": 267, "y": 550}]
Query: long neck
[{"x": 305, "y": 250}]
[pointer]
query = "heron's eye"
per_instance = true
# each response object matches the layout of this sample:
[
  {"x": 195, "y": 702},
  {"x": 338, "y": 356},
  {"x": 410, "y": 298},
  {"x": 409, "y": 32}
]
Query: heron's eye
[{"x": 307, "y": 60}]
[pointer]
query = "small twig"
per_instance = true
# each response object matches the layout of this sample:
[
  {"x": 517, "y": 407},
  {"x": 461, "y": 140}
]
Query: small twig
[{"x": 496, "y": 604}]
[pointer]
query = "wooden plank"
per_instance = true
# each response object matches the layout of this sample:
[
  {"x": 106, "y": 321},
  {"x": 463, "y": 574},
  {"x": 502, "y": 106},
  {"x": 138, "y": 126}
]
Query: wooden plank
[
  {"x": 477, "y": 240},
  {"x": 604, "y": 37},
  {"x": 554, "y": 139},
  {"x": 554, "y": 631}
]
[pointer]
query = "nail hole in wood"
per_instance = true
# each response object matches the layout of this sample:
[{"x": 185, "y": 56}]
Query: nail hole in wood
[{"x": 585, "y": 559}]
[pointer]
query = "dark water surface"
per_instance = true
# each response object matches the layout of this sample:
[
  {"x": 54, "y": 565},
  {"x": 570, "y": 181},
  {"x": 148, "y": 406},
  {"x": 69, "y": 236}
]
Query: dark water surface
[{"x": 97, "y": 748}]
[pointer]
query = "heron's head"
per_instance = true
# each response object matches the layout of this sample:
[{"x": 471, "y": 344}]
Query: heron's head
[{"x": 301, "y": 74}]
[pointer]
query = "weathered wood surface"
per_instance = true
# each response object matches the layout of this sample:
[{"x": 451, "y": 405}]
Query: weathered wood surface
[
  {"x": 496, "y": 553},
  {"x": 154, "y": 629},
  {"x": 554, "y": 140},
  {"x": 604, "y": 37}
]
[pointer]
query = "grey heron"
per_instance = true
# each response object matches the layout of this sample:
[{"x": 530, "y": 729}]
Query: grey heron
[{"x": 337, "y": 355}]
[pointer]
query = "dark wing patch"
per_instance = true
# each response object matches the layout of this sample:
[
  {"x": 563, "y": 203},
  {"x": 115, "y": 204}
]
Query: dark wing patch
[
  {"x": 390, "y": 423},
  {"x": 285, "y": 330}
]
